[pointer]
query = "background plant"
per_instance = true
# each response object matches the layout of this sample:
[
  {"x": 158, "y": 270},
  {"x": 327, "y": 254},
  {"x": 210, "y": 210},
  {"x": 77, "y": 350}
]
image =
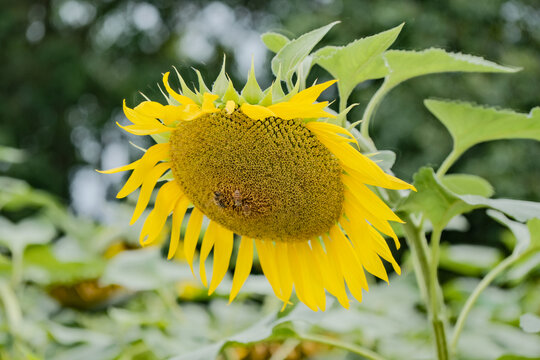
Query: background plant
[{"x": 73, "y": 287}]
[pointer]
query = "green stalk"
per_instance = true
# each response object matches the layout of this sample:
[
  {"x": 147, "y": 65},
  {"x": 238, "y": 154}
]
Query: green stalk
[
  {"x": 371, "y": 108},
  {"x": 482, "y": 285},
  {"x": 448, "y": 162}
]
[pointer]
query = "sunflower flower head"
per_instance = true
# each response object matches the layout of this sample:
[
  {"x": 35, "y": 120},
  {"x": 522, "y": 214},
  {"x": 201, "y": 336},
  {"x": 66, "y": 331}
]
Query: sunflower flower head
[{"x": 265, "y": 166}]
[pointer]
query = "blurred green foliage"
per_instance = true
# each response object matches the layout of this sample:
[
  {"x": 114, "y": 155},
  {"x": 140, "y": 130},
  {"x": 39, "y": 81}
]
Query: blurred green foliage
[{"x": 76, "y": 288}]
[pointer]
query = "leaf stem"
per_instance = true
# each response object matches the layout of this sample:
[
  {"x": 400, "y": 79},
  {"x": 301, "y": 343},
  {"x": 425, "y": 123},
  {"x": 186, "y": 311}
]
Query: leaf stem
[
  {"x": 482, "y": 285},
  {"x": 11, "y": 306},
  {"x": 362, "y": 351},
  {"x": 371, "y": 108},
  {"x": 448, "y": 162}
]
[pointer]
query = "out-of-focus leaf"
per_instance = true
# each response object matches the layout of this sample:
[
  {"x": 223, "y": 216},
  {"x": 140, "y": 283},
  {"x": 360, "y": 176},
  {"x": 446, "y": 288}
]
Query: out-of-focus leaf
[
  {"x": 41, "y": 266},
  {"x": 405, "y": 64},
  {"x": 530, "y": 323},
  {"x": 274, "y": 41},
  {"x": 470, "y": 260},
  {"x": 466, "y": 184},
  {"x": 294, "y": 52},
  {"x": 31, "y": 231},
  {"x": 470, "y": 124},
  {"x": 384, "y": 158},
  {"x": 350, "y": 64},
  {"x": 11, "y": 155},
  {"x": 144, "y": 269},
  {"x": 440, "y": 205}
]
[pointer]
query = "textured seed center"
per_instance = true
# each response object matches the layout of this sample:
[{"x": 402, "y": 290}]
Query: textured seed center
[{"x": 266, "y": 179}]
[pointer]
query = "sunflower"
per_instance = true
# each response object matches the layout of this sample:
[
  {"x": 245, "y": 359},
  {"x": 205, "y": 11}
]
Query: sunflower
[{"x": 265, "y": 166}]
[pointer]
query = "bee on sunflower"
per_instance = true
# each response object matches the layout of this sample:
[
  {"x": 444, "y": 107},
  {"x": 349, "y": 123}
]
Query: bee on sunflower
[{"x": 263, "y": 165}]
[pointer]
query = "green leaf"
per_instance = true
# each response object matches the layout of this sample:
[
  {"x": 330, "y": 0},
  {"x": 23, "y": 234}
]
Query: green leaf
[
  {"x": 471, "y": 124},
  {"x": 290, "y": 56},
  {"x": 440, "y": 204},
  {"x": 519, "y": 230},
  {"x": 144, "y": 269},
  {"x": 351, "y": 64},
  {"x": 11, "y": 155},
  {"x": 530, "y": 323},
  {"x": 221, "y": 83},
  {"x": 405, "y": 64},
  {"x": 274, "y": 41},
  {"x": 384, "y": 158},
  {"x": 42, "y": 267},
  {"x": 31, "y": 231},
  {"x": 470, "y": 260},
  {"x": 252, "y": 92},
  {"x": 465, "y": 184}
]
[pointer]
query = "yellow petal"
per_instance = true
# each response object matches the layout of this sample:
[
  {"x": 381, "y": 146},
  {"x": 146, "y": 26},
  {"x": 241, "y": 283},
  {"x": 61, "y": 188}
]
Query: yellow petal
[
  {"x": 208, "y": 103},
  {"x": 140, "y": 130},
  {"x": 296, "y": 267},
  {"x": 256, "y": 112},
  {"x": 178, "y": 215},
  {"x": 127, "y": 167},
  {"x": 265, "y": 249},
  {"x": 165, "y": 201},
  {"x": 331, "y": 274},
  {"x": 153, "y": 155},
  {"x": 311, "y": 94},
  {"x": 244, "y": 261},
  {"x": 313, "y": 281},
  {"x": 184, "y": 100},
  {"x": 292, "y": 110},
  {"x": 339, "y": 247},
  {"x": 230, "y": 106},
  {"x": 192, "y": 235},
  {"x": 358, "y": 234},
  {"x": 208, "y": 242},
  {"x": 283, "y": 270},
  {"x": 167, "y": 113},
  {"x": 148, "y": 184},
  {"x": 222, "y": 256}
]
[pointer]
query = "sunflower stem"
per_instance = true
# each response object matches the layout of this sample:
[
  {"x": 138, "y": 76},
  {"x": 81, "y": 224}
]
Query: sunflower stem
[
  {"x": 428, "y": 282},
  {"x": 362, "y": 351}
]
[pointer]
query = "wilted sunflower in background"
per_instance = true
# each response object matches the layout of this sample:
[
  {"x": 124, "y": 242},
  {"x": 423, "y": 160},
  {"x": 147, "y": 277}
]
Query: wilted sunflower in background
[{"x": 261, "y": 164}]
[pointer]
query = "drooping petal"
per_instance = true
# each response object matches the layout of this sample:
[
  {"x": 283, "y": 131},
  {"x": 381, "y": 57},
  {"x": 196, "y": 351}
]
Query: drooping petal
[
  {"x": 127, "y": 167},
  {"x": 283, "y": 270},
  {"x": 166, "y": 199},
  {"x": 184, "y": 100},
  {"x": 222, "y": 256},
  {"x": 331, "y": 273},
  {"x": 265, "y": 249},
  {"x": 148, "y": 184},
  {"x": 192, "y": 235},
  {"x": 178, "y": 215},
  {"x": 208, "y": 242},
  {"x": 244, "y": 262},
  {"x": 152, "y": 156}
]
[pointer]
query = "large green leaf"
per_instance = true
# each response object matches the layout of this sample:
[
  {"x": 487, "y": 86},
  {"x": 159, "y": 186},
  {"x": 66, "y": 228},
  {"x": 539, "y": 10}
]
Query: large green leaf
[
  {"x": 351, "y": 64},
  {"x": 439, "y": 204},
  {"x": 31, "y": 231},
  {"x": 274, "y": 41},
  {"x": 471, "y": 124},
  {"x": 404, "y": 64},
  {"x": 290, "y": 56},
  {"x": 466, "y": 184}
]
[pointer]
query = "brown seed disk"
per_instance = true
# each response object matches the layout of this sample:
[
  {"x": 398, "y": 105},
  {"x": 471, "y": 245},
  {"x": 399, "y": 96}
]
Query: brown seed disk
[{"x": 266, "y": 179}]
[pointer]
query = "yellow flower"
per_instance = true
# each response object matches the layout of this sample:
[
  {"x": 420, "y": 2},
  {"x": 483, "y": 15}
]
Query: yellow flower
[{"x": 291, "y": 188}]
